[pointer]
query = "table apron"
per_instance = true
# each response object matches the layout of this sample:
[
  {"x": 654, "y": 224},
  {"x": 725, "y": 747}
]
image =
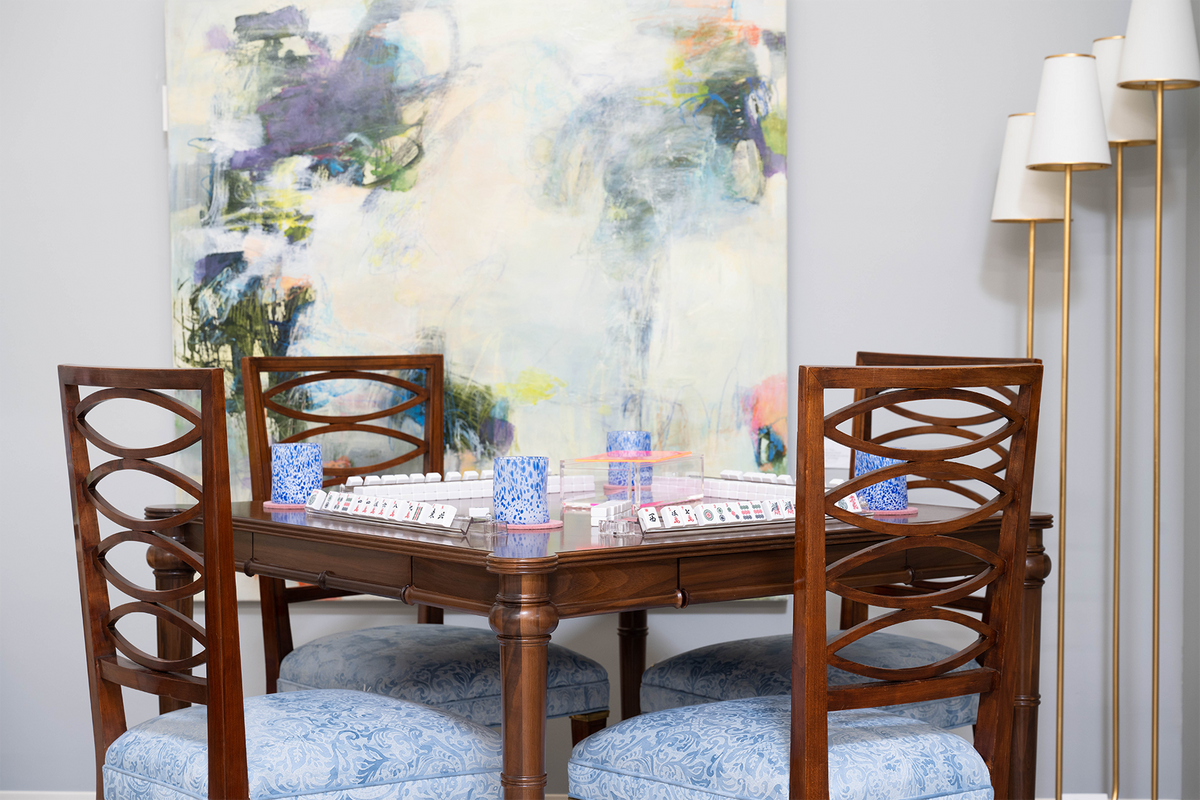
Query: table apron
[{"x": 580, "y": 589}]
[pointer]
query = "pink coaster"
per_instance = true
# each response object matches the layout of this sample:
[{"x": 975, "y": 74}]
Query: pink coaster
[
  {"x": 895, "y": 512},
  {"x": 545, "y": 526},
  {"x": 269, "y": 506}
]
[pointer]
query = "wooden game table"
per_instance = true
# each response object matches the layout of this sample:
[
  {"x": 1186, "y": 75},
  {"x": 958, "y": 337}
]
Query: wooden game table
[{"x": 525, "y": 583}]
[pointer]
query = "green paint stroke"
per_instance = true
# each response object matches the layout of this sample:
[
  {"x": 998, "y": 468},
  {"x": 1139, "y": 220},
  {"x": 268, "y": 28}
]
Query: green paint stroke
[
  {"x": 774, "y": 130},
  {"x": 476, "y": 419},
  {"x": 220, "y": 326}
]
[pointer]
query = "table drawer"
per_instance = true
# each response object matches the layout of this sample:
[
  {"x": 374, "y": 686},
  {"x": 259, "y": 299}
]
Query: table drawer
[
  {"x": 392, "y": 570},
  {"x": 577, "y": 590}
]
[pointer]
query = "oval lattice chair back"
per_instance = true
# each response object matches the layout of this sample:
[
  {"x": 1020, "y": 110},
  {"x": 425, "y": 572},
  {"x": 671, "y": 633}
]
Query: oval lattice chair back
[
  {"x": 904, "y": 423},
  {"x": 394, "y": 400}
]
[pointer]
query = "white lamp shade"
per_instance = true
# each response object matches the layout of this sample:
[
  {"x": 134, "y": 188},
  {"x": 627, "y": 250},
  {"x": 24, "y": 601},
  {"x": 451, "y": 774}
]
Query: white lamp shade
[
  {"x": 1128, "y": 114},
  {"x": 1160, "y": 45},
  {"x": 1025, "y": 195},
  {"x": 1068, "y": 127}
]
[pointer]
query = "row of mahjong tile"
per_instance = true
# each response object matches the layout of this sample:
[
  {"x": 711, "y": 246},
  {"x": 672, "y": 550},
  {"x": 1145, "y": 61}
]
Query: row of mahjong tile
[
  {"x": 738, "y": 511},
  {"x": 749, "y": 490},
  {"x": 385, "y": 509}
]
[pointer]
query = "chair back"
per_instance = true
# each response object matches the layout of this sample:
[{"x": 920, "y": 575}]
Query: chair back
[
  {"x": 897, "y": 545},
  {"x": 933, "y": 422},
  {"x": 412, "y": 387},
  {"x": 113, "y": 660}
]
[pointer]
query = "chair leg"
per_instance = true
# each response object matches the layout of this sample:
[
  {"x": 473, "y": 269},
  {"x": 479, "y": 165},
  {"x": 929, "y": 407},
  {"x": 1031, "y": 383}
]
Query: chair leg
[
  {"x": 277, "y": 627},
  {"x": 852, "y": 614},
  {"x": 584, "y": 725},
  {"x": 430, "y": 615}
]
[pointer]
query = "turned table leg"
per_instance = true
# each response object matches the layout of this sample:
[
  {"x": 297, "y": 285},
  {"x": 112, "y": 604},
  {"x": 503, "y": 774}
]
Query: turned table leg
[
  {"x": 632, "y": 629},
  {"x": 1023, "y": 769},
  {"x": 523, "y": 618},
  {"x": 170, "y": 572}
]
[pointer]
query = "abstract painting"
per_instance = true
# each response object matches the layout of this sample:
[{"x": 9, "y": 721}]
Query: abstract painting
[{"x": 581, "y": 205}]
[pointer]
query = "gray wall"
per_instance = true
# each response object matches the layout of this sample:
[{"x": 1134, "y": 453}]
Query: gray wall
[{"x": 897, "y": 113}]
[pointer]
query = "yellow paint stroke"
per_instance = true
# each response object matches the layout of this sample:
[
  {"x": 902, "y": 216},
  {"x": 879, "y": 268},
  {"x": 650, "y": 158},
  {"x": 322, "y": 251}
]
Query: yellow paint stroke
[{"x": 532, "y": 386}]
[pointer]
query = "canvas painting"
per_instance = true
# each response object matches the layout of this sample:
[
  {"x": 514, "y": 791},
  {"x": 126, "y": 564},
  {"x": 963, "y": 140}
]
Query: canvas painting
[{"x": 581, "y": 205}]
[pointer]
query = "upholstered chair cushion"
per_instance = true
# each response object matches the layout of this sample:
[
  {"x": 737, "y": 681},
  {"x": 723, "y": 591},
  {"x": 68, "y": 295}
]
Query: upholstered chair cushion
[
  {"x": 450, "y": 667},
  {"x": 329, "y": 745},
  {"x": 763, "y": 667},
  {"x": 738, "y": 750}
]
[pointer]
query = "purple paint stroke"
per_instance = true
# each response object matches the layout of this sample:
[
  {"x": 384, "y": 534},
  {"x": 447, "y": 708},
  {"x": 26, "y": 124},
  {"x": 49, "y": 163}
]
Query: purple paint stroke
[
  {"x": 287, "y": 21},
  {"x": 214, "y": 264},
  {"x": 328, "y": 104},
  {"x": 218, "y": 38},
  {"x": 355, "y": 96},
  {"x": 499, "y": 432}
]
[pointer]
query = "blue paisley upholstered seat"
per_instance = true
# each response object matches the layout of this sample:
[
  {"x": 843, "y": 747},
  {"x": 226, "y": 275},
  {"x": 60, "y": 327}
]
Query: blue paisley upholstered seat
[
  {"x": 450, "y": 667},
  {"x": 316, "y": 745},
  {"x": 762, "y": 667},
  {"x": 738, "y": 750}
]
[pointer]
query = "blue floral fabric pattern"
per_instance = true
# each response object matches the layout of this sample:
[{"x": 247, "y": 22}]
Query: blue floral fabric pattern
[
  {"x": 762, "y": 667},
  {"x": 325, "y": 745},
  {"x": 449, "y": 667},
  {"x": 296, "y": 472},
  {"x": 519, "y": 490},
  {"x": 891, "y": 494},
  {"x": 738, "y": 750}
]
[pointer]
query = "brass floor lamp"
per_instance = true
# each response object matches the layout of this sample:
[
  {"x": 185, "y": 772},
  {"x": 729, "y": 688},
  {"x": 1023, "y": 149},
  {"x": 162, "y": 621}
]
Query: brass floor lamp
[
  {"x": 1129, "y": 120},
  {"x": 1160, "y": 54},
  {"x": 1023, "y": 195},
  {"x": 1068, "y": 136}
]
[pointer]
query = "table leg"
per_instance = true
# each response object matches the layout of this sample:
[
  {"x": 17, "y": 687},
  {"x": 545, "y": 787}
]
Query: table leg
[
  {"x": 632, "y": 628},
  {"x": 1023, "y": 770},
  {"x": 523, "y": 619},
  {"x": 170, "y": 573}
]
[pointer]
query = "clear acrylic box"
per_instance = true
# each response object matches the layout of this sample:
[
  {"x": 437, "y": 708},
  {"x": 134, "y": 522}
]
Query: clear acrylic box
[{"x": 616, "y": 484}]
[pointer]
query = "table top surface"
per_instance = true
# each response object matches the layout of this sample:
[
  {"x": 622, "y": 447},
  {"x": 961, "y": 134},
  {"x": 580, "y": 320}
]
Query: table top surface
[{"x": 576, "y": 536}]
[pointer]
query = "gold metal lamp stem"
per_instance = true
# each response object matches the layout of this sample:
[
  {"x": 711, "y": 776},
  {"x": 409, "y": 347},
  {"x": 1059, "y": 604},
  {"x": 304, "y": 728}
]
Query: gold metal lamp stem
[
  {"x": 1158, "y": 211},
  {"x": 1029, "y": 302},
  {"x": 1062, "y": 483},
  {"x": 1116, "y": 610}
]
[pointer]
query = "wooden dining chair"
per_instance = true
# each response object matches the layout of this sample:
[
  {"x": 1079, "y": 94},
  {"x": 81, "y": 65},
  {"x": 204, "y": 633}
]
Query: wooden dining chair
[
  {"x": 762, "y": 666},
  {"x": 455, "y": 668},
  {"x": 303, "y": 744},
  {"x": 823, "y": 740}
]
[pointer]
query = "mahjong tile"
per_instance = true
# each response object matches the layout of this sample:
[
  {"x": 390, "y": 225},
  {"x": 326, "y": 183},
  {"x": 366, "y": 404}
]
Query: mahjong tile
[
  {"x": 673, "y": 517},
  {"x": 649, "y": 518}
]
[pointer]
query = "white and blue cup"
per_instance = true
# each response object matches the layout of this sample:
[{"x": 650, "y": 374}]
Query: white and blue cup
[
  {"x": 889, "y": 495},
  {"x": 519, "y": 490},
  {"x": 619, "y": 473},
  {"x": 296, "y": 472}
]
